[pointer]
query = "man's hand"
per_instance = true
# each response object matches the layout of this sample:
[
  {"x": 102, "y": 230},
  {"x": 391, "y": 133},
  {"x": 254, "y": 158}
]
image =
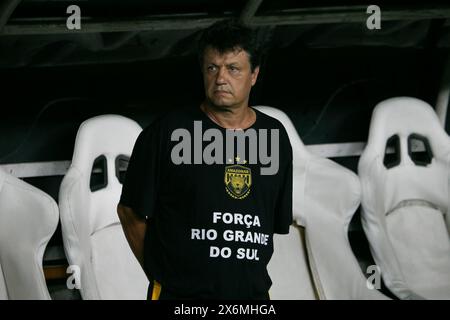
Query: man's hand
[{"x": 134, "y": 228}]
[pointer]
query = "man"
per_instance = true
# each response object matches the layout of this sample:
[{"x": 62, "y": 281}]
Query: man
[{"x": 199, "y": 216}]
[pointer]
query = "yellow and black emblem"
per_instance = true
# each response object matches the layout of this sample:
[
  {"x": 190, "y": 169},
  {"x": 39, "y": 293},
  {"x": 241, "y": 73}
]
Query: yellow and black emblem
[{"x": 238, "y": 180}]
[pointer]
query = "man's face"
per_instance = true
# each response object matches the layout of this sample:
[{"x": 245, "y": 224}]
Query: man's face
[{"x": 228, "y": 78}]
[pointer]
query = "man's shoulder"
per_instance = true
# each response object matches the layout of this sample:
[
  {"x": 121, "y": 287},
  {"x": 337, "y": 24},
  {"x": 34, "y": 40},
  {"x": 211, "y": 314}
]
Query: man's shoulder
[
  {"x": 175, "y": 118},
  {"x": 269, "y": 122}
]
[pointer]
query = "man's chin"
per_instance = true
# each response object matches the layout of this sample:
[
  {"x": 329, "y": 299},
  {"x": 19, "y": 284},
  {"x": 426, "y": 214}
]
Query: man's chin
[{"x": 221, "y": 104}]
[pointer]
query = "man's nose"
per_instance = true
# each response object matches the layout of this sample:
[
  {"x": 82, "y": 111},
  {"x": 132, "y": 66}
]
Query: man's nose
[{"x": 221, "y": 76}]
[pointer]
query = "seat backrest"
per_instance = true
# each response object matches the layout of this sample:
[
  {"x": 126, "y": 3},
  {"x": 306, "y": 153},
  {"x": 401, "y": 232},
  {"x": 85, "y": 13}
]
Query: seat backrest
[
  {"x": 28, "y": 219},
  {"x": 325, "y": 197},
  {"x": 404, "y": 174},
  {"x": 289, "y": 269},
  {"x": 92, "y": 234}
]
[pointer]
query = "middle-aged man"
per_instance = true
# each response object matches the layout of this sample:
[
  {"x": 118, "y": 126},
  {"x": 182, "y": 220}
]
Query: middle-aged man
[{"x": 207, "y": 188}]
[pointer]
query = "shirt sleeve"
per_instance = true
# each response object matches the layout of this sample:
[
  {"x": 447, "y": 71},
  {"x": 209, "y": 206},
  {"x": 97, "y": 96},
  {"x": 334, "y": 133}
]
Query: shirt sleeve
[
  {"x": 139, "y": 191},
  {"x": 283, "y": 210}
]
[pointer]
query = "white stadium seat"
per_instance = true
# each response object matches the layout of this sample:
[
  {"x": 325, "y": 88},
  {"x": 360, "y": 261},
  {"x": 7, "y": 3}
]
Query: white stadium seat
[
  {"x": 28, "y": 219},
  {"x": 404, "y": 173},
  {"x": 92, "y": 234},
  {"x": 288, "y": 268},
  {"x": 325, "y": 197}
]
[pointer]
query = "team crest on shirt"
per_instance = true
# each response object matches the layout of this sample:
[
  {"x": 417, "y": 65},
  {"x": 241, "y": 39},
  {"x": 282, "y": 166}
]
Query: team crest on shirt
[{"x": 238, "y": 180}]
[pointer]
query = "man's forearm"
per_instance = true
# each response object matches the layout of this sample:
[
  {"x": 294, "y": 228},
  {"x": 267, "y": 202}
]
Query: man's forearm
[{"x": 134, "y": 228}]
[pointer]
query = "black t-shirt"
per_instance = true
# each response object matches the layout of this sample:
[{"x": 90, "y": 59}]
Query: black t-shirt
[{"x": 210, "y": 226}]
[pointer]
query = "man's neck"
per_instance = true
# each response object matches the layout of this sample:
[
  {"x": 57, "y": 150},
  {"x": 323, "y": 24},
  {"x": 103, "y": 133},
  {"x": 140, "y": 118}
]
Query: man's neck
[{"x": 236, "y": 118}]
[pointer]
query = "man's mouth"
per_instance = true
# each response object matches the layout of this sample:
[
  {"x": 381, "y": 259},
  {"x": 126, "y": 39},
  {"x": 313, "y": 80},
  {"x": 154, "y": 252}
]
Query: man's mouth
[{"x": 221, "y": 92}]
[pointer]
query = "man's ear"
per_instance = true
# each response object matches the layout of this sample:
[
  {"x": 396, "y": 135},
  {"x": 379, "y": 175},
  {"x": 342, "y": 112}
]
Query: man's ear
[{"x": 255, "y": 75}]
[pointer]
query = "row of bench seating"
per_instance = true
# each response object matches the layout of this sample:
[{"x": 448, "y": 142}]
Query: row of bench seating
[{"x": 403, "y": 186}]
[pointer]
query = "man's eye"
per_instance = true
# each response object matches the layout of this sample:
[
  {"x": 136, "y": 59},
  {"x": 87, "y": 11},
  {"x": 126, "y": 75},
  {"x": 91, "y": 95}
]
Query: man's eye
[{"x": 211, "y": 68}]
